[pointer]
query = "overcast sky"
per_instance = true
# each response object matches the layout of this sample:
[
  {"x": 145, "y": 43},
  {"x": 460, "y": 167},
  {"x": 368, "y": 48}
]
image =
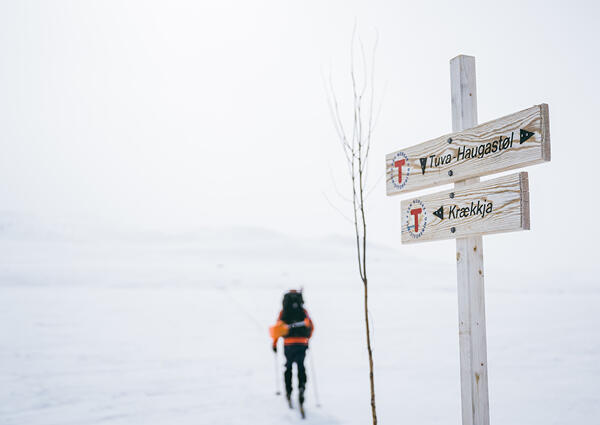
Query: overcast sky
[{"x": 176, "y": 115}]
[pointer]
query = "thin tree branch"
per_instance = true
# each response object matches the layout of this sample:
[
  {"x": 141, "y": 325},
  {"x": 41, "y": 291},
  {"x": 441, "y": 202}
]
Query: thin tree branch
[
  {"x": 357, "y": 147},
  {"x": 336, "y": 208}
]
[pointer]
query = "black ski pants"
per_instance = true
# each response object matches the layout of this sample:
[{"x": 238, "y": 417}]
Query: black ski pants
[{"x": 294, "y": 354}]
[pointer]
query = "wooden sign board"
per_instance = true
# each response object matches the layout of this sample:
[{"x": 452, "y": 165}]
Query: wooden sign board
[
  {"x": 493, "y": 206},
  {"x": 514, "y": 141}
]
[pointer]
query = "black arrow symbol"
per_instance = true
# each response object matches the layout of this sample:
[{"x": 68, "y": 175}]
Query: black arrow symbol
[
  {"x": 525, "y": 135},
  {"x": 423, "y": 164},
  {"x": 439, "y": 212}
]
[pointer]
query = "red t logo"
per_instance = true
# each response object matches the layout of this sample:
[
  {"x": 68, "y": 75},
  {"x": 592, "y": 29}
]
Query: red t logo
[
  {"x": 398, "y": 164},
  {"x": 415, "y": 213}
]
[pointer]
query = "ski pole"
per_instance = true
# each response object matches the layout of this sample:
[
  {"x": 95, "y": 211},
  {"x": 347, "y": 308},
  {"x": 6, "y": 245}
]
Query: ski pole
[
  {"x": 277, "y": 377},
  {"x": 314, "y": 377}
]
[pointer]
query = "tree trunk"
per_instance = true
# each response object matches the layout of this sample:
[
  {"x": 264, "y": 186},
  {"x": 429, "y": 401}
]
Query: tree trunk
[{"x": 370, "y": 351}]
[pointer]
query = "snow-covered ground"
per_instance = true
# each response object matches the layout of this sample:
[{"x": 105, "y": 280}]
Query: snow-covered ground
[{"x": 172, "y": 333}]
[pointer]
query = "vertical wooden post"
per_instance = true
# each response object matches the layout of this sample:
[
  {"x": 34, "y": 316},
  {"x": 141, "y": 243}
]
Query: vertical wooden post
[{"x": 469, "y": 262}]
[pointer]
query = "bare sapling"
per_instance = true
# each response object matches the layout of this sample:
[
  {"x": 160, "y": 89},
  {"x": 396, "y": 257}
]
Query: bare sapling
[{"x": 355, "y": 139}]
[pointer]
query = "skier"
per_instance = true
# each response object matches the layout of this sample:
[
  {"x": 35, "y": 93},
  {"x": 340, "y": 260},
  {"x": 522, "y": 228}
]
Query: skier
[{"x": 296, "y": 328}]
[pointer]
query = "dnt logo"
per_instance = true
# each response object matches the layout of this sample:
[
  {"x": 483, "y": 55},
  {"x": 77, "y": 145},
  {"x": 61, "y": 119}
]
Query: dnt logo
[
  {"x": 416, "y": 218},
  {"x": 400, "y": 170}
]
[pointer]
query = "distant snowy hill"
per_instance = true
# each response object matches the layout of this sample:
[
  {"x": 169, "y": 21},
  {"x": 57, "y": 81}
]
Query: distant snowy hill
[{"x": 37, "y": 252}]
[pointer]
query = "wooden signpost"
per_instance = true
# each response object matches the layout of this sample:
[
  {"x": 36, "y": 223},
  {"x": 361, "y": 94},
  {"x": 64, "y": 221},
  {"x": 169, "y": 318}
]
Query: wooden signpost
[
  {"x": 493, "y": 206},
  {"x": 472, "y": 209},
  {"x": 514, "y": 141}
]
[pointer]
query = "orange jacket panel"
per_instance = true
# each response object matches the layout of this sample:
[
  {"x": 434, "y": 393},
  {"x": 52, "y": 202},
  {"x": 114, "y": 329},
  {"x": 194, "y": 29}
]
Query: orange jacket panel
[{"x": 290, "y": 340}]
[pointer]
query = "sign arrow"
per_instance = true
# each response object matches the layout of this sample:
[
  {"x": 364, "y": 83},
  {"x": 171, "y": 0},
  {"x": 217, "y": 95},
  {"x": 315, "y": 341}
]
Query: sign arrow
[
  {"x": 439, "y": 212},
  {"x": 423, "y": 164},
  {"x": 447, "y": 158},
  {"x": 525, "y": 135}
]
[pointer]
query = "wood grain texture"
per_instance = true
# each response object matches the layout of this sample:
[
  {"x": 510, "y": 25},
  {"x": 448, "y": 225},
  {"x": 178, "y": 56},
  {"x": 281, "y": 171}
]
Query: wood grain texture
[
  {"x": 525, "y": 224},
  {"x": 496, "y": 147},
  {"x": 494, "y": 206},
  {"x": 472, "y": 333},
  {"x": 472, "y": 337}
]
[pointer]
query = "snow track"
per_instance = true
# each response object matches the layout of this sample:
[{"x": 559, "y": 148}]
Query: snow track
[{"x": 92, "y": 356}]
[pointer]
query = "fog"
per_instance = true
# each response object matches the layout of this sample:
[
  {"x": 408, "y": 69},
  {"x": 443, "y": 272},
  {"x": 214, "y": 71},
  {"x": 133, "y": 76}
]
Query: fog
[{"x": 177, "y": 116}]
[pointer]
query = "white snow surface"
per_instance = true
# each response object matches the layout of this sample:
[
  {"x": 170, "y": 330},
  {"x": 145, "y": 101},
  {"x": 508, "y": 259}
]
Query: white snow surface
[{"x": 174, "y": 331}]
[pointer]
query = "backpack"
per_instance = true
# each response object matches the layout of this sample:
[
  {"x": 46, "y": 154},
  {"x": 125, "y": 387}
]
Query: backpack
[{"x": 293, "y": 307}]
